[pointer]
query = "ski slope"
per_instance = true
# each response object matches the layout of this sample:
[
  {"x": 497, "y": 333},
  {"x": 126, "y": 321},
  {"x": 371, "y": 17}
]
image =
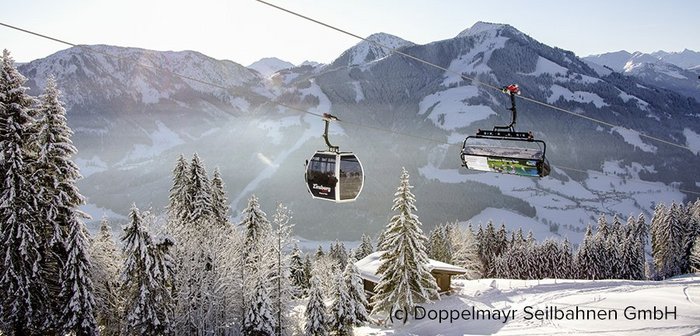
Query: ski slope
[{"x": 621, "y": 302}]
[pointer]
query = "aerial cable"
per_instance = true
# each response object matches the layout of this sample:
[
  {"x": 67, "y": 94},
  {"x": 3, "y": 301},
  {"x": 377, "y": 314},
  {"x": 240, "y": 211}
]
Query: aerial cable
[
  {"x": 319, "y": 115},
  {"x": 473, "y": 80}
]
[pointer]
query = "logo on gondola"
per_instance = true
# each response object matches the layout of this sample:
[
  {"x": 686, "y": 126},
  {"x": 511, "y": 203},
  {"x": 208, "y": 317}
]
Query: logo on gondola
[{"x": 321, "y": 188}]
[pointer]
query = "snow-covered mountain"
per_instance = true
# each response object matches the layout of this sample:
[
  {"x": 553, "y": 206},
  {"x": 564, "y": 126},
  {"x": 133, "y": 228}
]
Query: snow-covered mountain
[
  {"x": 132, "y": 121},
  {"x": 269, "y": 65},
  {"x": 367, "y": 51},
  {"x": 686, "y": 59},
  {"x": 672, "y": 71}
]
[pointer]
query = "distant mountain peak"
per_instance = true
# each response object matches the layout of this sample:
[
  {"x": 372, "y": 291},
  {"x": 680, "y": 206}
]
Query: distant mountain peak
[
  {"x": 269, "y": 65},
  {"x": 366, "y": 51},
  {"x": 482, "y": 27}
]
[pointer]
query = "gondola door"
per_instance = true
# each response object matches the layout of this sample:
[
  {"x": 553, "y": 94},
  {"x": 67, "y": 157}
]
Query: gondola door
[{"x": 321, "y": 175}]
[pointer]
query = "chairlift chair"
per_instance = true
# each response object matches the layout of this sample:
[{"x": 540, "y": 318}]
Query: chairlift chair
[{"x": 485, "y": 152}]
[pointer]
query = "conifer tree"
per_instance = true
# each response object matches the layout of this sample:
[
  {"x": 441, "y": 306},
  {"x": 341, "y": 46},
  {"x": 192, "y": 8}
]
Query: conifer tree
[
  {"x": 297, "y": 273},
  {"x": 356, "y": 292},
  {"x": 437, "y": 245},
  {"x": 56, "y": 175},
  {"x": 256, "y": 224},
  {"x": 365, "y": 247},
  {"x": 666, "y": 242},
  {"x": 338, "y": 253},
  {"x": 199, "y": 197},
  {"x": 316, "y": 323},
  {"x": 178, "y": 198},
  {"x": 77, "y": 293},
  {"x": 586, "y": 257},
  {"x": 25, "y": 304},
  {"x": 308, "y": 267},
  {"x": 259, "y": 319},
  {"x": 106, "y": 268},
  {"x": 405, "y": 279},
  {"x": 342, "y": 310},
  {"x": 691, "y": 229},
  {"x": 138, "y": 282},
  {"x": 319, "y": 253},
  {"x": 564, "y": 268},
  {"x": 220, "y": 207},
  {"x": 695, "y": 256}
]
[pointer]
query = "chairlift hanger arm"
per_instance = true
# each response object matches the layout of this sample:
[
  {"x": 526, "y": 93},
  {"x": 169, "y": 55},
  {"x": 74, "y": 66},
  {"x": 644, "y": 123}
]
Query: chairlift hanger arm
[
  {"x": 511, "y": 90},
  {"x": 327, "y": 117}
]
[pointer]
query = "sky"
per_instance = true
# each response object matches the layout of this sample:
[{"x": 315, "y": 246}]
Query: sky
[{"x": 245, "y": 31}]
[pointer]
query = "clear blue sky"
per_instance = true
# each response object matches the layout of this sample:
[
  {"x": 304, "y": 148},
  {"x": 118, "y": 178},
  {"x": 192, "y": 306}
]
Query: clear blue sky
[{"x": 245, "y": 30}]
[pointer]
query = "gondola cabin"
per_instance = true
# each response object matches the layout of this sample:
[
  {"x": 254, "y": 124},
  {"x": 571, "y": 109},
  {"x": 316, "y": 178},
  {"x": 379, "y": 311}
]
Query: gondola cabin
[{"x": 334, "y": 176}]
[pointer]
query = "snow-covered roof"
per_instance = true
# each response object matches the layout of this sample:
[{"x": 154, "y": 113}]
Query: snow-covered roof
[{"x": 368, "y": 266}]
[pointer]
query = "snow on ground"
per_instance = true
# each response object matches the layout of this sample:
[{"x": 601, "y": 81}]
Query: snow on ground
[
  {"x": 475, "y": 61},
  {"x": 577, "y": 96},
  {"x": 626, "y": 97},
  {"x": 359, "y": 95},
  {"x": 545, "y": 66},
  {"x": 632, "y": 137},
  {"x": 692, "y": 140},
  {"x": 448, "y": 110},
  {"x": 162, "y": 139},
  {"x": 540, "y": 307}
]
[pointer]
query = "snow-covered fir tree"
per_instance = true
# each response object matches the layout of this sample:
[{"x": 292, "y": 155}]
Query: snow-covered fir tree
[
  {"x": 405, "y": 280},
  {"x": 106, "y": 268},
  {"x": 25, "y": 305},
  {"x": 77, "y": 294},
  {"x": 316, "y": 323},
  {"x": 220, "y": 207},
  {"x": 488, "y": 248},
  {"x": 365, "y": 247},
  {"x": 695, "y": 256},
  {"x": 256, "y": 224},
  {"x": 297, "y": 273},
  {"x": 259, "y": 319},
  {"x": 565, "y": 266},
  {"x": 178, "y": 198},
  {"x": 667, "y": 236},
  {"x": 203, "y": 253},
  {"x": 140, "y": 285},
  {"x": 691, "y": 229},
  {"x": 342, "y": 310},
  {"x": 438, "y": 245},
  {"x": 339, "y": 253},
  {"x": 585, "y": 261},
  {"x": 319, "y": 253},
  {"x": 56, "y": 175},
  {"x": 356, "y": 293}
]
